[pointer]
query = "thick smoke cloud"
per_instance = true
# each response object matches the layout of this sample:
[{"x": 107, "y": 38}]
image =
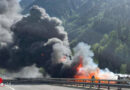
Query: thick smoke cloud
[
  {"x": 26, "y": 72},
  {"x": 89, "y": 67},
  {"x": 38, "y": 39},
  {"x": 9, "y": 14}
]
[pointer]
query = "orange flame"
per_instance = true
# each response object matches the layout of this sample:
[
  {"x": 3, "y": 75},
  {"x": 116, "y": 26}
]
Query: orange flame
[{"x": 82, "y": 74}]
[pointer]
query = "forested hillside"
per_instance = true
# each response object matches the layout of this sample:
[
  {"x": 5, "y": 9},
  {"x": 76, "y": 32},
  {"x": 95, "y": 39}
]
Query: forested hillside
[
  {"x": 114, "y": 50},
  {"x": 104, "y": 24},
  {"x": 57, "y": 8},
  {"x": 96, "y": 18}
]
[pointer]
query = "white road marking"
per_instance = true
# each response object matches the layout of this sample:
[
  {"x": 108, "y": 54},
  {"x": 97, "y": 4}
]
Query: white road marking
[{"x": 9, "y": 87}]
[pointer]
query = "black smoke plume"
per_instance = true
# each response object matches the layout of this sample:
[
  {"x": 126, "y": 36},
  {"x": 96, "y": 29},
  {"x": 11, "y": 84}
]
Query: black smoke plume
[{"x": 38, "y": 39}]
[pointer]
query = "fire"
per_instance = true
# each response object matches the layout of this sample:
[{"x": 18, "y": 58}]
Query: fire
[{"x": 82, "y": 73}]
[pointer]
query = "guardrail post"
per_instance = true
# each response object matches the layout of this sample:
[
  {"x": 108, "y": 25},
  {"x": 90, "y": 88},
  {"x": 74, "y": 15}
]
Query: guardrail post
[
  {"x": 91, "y": 83},
  {"x": 118, "y": 88},
  {"x": 99, "y": 85},
  {"x": 84, "y": 83},
  {"x": 77, "y": 83},
  {"x": 108, "y": 86}
]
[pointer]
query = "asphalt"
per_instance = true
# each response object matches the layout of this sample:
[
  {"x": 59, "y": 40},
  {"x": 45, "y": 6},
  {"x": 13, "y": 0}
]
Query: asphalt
[
  {"x": 45, "y": 87},
  {"x": 36, "y": 87}
]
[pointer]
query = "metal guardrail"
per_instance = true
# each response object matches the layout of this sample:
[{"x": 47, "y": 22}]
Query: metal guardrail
[{"x": 73, "y": 82}]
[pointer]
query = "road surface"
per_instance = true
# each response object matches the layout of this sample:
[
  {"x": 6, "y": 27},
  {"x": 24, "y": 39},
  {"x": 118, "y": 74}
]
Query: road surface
[
  {"x": 36, "y": 87},
  {"x": 45, "y": 87}
]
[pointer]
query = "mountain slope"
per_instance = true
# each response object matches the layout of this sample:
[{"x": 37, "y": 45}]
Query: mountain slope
[
  {"x": 26, "y": 3},
  {"x": 114, "y": 49},
  {"x": 57, "y": 8},
  {"x": 87, "y": 20},
  {"x": 96, "y": 18}
]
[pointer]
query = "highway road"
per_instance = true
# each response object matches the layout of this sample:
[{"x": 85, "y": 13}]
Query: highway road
[
  {"x": 36, "y": 87},
  {"x": 45, "y": 87}
]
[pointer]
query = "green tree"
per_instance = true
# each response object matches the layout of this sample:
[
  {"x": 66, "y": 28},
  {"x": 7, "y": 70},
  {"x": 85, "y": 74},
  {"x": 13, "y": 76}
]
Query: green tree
[{"x": 123, "y": 68}]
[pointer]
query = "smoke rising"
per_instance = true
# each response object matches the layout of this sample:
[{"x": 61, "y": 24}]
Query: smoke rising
[
  {"x": 26, "y": 72},
  {"x": 38, "y": 39},
  {"x": 83, "y": 50},
  {"x": 40, "y": 29},
  {"x": 88, "y": 67},
  {"x": 9, "y": 14}
]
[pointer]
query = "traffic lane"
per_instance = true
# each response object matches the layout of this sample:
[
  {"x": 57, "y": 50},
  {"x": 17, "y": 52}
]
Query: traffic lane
[
  {"x": 46, "y": 87},
  {"x": 36, "y": 87}
]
